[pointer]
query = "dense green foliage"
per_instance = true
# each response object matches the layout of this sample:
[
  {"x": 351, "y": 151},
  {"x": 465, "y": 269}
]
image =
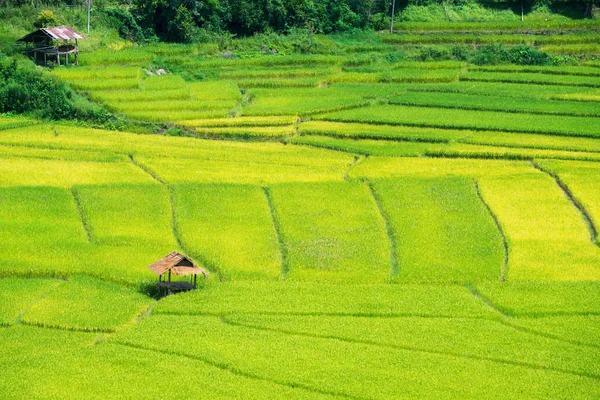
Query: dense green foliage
[
  {"x": 26, "y": 89},
  {"x": 379, "y": 227}
]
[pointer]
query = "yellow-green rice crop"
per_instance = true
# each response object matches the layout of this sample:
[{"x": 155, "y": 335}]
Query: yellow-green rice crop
[
  {"x": 493, "y": 103},
  {"x": 442, "y": 230},
  {"x": 144, "y": 219},
  {"x": 87, "y": 304},
  {"x": 468, "y": 119},
  {"x": 582, "y": 180},
  {"x": 540, "y": 79},
  {"x": 397, "y": 75},
  {"x": 317, "y": 298},
  {"x": 123, "y": 57},
  {"x": 28, "y": 172},
  {"x": 582, "y": 48},
  {"x": 106, "y": 84},
  {"x": 547, "y": 237},
  {"x": 477, "y": 338},
  {"x": 421, "y": 148},
  {"x": 76, "y": 362},
  {"x": 138, "y": 95},
  {"x": 215, "y": 90},
  {"x": 387, "y": 167},
  {"x": 172, "y": 105},
  {"x": 18, "y": 294},
  {"x": 321, "y": 224},
  {"x": 249, "y": 132},
  {"x": 300, "y": 106},
  {"x": 229, "y": 228},
  {"x": 279, "y": 83},
  {"x": 533, "y": 299},
  {"x": 241, "y": 122},
  {"x": 561, "y": 70},
  {"x": 163, "y": 82},
  {"x": 359, "y": 131},
  {"x": 82, "y": 73},
  {"x": 172, "y": 116},
  {"x": 356, "y": 369},
  {"x": 586, "y": 332}
]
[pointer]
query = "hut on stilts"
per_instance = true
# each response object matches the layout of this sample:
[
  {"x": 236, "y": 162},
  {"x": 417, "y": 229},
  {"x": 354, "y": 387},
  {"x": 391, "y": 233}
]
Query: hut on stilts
[
  {"x": 179, "y": 265},
  {"x": 50, "y": 44}
]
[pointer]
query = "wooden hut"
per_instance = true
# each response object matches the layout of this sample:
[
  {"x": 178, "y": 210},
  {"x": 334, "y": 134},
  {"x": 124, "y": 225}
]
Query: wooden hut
[
  {"x": 176, "y": 264},
  {"x": 49, "y": 44}
]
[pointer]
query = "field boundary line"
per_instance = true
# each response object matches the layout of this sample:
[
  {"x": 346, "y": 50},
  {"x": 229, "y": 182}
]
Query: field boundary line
[
  {"x": 505, "y": 244},
  {"x": 487, "y": 302},
  {"x": 42, "y": 296},
  {"x": 536, "y": 332},
  {"x": 68, "y": 328},
  {"x": 526, "y": 82},
  {"x": 174, "y": 225},
  {"x": 531, "y": 147},
  {"x": 461, "y": 127},
  {"x": 451, "y": 354},
  {"x": 147, "y": 170},
  {"x": 285, "y": 266},
  {"x": 320, "y": 314},
  {"x": 233, "y": 370},
  {"x": 496, "y": 109},
  {"x": 587, "y": 219},
  {"x": 196, "y": 255},
  {"x": 82, "y": 218},
  {"x": 357, "y": 160},
  {"x": 391, "y": 235}
]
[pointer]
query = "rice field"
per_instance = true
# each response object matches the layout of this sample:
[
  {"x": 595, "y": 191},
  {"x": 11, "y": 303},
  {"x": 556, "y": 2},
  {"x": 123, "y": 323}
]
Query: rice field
[{"x": 373, "y": 228}]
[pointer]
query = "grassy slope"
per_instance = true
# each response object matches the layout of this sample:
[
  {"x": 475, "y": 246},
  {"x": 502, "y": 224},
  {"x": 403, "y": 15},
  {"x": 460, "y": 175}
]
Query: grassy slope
[
  {"x": 442, "y": 230},
  {"x": 321, "y": 225},
  {"x": 258, "y": 339},
  {"x": 230, "y": 228}
]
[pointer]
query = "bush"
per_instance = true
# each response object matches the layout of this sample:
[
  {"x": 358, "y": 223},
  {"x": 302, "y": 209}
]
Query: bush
[
  {"x": 122, "y": 20},
  {"x": 182, "y": 28},
  {"x": 527, "y": 55},
  {"x": 25, "y": 89},
  {"x": 45, "y": 19},
  {"x": 434, "y": 53},
  {"x": 497, "y": 53}
]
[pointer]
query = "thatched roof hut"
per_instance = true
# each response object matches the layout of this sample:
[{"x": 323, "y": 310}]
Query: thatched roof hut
[{"x": 176, "y": 264}]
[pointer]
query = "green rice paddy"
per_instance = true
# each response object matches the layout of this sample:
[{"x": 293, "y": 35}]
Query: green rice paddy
[{"x": 373, "y": 229}]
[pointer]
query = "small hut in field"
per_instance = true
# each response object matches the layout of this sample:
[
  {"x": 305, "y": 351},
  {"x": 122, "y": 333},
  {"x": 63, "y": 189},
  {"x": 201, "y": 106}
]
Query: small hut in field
[
  {"x": 179, "y": 265},
  {"x": 49, "y": 44}
]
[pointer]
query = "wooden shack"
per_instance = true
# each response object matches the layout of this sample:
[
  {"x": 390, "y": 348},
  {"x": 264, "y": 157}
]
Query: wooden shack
[
  {"x": 179, "y": 265},
  {"x": 50, "y": 44}
]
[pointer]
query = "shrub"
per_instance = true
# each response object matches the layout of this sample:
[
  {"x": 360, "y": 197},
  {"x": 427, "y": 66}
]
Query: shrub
[
  {"x": 527, "y": 55},
  {"x": 46, "y": 18},
  {"x": 182, "y": 28},
  {"x": 124, "y": 23},
  {"x": 26, "y": 89}
]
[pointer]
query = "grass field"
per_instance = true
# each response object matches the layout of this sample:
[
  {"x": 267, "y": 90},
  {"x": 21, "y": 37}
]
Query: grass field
[{"x": 374, "y": 226}]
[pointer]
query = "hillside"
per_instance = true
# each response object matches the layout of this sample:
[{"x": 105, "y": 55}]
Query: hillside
[{"x": 407, "y": 215}]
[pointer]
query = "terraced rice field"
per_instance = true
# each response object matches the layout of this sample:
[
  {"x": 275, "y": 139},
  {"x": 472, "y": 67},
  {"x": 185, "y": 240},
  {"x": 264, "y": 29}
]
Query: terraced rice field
[{"x": 430, "y": 231}]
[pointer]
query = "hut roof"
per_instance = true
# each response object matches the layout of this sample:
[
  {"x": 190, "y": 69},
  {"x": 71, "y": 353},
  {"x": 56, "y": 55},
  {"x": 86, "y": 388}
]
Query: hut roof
[
  {"x": 178, "y": 264},
  {"x": 56, "y": 33}
]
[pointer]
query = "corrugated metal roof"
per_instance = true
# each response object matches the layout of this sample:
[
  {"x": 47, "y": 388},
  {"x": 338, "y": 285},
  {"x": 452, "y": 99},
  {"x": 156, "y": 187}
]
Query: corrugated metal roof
[
  {"x": 57, "y": 33},
  {"x": 63, "y": 33}
]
